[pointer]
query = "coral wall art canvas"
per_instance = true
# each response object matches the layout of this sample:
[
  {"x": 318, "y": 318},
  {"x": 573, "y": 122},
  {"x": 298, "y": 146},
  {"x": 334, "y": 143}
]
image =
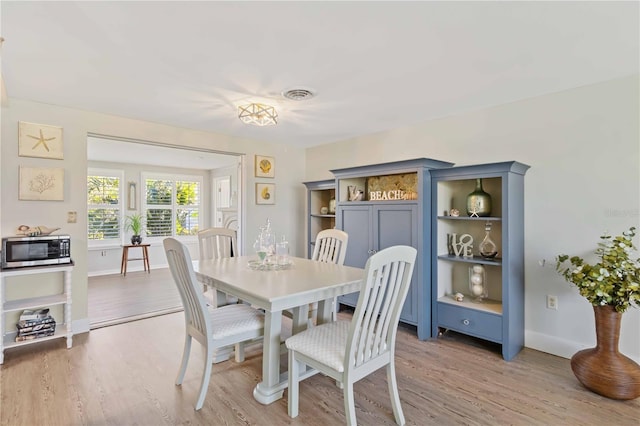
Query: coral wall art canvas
[
  {"x": 44, "y": 184},
  {"x": 39, "y": 140}
]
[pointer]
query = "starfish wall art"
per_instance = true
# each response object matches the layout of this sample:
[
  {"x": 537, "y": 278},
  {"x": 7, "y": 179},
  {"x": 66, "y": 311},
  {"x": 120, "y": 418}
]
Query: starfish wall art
[{"x": 39, "y": 140}]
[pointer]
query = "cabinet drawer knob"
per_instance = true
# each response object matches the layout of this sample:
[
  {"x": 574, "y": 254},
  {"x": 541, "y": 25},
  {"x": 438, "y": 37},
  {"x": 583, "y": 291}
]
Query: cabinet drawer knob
[{"x": 466, "y": 322}]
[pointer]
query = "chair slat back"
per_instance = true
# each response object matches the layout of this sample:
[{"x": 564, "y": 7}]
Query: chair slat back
[
  {"x": 331, "y": 246},
  {"x": 217, "y": 243},
  {"x": 373, "y": 328},
  {"x": 195, "y": 308}
]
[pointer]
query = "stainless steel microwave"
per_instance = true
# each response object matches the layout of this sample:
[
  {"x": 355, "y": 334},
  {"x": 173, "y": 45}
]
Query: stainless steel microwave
[{"x": 18, "y": 252}]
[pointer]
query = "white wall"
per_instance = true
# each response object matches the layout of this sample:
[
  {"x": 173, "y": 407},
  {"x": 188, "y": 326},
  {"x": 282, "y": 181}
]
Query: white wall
[
  {"x": 583, "y": 146},
  {"x": 77, "y": 124}
]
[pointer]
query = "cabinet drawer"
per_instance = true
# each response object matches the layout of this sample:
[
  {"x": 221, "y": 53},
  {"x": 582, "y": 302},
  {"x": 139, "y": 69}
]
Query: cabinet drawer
[{"x": 468, "y": 321}]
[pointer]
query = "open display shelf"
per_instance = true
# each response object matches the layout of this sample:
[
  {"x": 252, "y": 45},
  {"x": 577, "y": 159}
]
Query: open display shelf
[
  {"x": 319, "y": 195},
  {"x": 500, "y": 316},
  {"x": 63, "y": 325}
]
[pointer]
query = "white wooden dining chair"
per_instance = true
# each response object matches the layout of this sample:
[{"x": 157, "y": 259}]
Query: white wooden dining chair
[
  {"x": 218, "y": 243},
  {"x": 212, "y": 327},
  {"x": 330, "y": 247},
  {"x": 348, "y": 351}
]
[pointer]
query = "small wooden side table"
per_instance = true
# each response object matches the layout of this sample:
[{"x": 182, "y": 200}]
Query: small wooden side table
[{"x": 126, "y": 259}]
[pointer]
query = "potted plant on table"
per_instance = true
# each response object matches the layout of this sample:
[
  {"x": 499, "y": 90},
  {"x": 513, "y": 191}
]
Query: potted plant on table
[
  {"x": 611, "y": 286},
  {"x": 134, "y": 223}
]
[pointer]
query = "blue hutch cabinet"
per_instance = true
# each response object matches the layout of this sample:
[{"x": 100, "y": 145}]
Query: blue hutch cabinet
[{"x": 394, "y": 210}]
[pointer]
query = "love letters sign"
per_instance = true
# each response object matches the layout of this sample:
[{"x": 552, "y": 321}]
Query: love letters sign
[{"x": 460, "y": 246}]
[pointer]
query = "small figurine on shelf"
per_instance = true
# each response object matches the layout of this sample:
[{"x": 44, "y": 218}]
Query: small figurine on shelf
[
  {"x": 332, "y": 205},
  {"x": 355, "y": 194}
]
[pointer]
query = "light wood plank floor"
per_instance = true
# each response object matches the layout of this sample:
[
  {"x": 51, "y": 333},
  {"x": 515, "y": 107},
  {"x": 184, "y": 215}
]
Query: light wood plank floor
[
  {"x": 114, "y": 299},
  {"x": 124, "y": 375}
]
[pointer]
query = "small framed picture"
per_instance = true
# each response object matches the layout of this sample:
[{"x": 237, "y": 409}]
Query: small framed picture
[
  {"x": 41, "y": 184},
  {"x": 39, "y": 140},
  {"x": 265, "y": 166},
  {"x": 131, "y": 196},
  {"x": 265, "y": 193}
]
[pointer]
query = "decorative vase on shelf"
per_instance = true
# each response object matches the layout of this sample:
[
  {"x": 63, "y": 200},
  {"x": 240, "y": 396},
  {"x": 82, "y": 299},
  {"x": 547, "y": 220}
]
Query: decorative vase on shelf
[
  {"x": 332, "y": 205},
  {"x": 487, "y": 247},
  {"x": 603, "y": 369},
  {"x": 478, "y": 283},
  {"x": 478, "y": 202}
]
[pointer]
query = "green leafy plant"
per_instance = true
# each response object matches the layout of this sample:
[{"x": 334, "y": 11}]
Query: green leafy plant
[
  {"x": 614, "y": 280},
  {"x": 134, "y": 223}
]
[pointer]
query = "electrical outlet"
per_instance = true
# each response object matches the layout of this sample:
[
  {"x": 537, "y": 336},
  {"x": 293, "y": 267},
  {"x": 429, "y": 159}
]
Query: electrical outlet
[{"x": 552, "y": 302}]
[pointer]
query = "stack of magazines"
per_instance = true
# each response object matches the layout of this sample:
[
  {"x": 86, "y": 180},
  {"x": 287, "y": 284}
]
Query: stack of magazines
[{"x": 35, "y": 324}]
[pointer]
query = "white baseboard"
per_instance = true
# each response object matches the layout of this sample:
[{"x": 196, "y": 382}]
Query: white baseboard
[
  {"x": 559, "y": 347},
  {"x": 106, "y": 272},
  {"x": 80, "y": 326},
  {"x": 129, "y": 269}
]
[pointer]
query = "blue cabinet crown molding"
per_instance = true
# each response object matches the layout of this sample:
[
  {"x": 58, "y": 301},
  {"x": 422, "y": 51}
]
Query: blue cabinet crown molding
[{"x": 394, "y": 167}]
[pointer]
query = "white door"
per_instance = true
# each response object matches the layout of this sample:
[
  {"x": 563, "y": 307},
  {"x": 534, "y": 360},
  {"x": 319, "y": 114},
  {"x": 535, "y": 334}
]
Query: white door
[{"x": 221, "y": 198}]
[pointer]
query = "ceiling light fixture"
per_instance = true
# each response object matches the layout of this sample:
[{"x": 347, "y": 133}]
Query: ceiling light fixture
[{"x": 258, "y": 114}]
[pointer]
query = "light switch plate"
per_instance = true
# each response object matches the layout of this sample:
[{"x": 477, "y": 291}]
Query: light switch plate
[{"x": 72, "y": 217}]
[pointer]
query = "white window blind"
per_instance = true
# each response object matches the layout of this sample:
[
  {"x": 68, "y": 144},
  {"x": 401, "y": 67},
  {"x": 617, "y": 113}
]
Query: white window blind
[
  {"x": 172, "y": 205},
  {"x": 104, "y": 205},
  {"x": 188, "y": 207}
]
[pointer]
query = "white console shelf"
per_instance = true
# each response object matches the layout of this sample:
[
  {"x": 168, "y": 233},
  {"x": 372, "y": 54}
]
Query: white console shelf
[{"x": 62, "y": 329}]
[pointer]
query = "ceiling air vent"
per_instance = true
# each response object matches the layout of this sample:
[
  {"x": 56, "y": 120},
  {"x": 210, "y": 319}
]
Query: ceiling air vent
[{"x": 298, "y": 94}]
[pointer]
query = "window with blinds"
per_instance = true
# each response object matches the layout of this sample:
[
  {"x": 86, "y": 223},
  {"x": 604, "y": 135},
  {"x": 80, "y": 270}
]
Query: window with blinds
[
  {"x": 172, "y": 205},
  {"x": 104, "y": 205}
]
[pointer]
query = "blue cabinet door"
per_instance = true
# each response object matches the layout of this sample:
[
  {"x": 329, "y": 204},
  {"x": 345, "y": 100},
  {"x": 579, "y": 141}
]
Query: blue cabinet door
[
  {"x": 356, "y": 220},
  {"x": 376, "y": 227},
  {"x": 398, "y": 225}
]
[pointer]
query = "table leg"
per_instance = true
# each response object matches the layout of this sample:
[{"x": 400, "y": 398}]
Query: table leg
[
  {"x": 146, "y": 259},
  {"x": 325, "y": 311},
  {"x": 272, "y": 387},
  {"x": 123, "y": 265},
  {"x": 300, "y": 319}
]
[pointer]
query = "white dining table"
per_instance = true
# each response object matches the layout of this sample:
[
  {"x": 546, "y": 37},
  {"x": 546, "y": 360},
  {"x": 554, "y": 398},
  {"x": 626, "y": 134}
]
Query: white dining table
[{"x": 304, "y": 282}]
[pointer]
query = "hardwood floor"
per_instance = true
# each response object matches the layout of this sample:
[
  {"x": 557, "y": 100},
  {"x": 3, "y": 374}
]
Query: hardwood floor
[
  {"x": 124, "y": 375},
  {"x": 114, "y": 299}
]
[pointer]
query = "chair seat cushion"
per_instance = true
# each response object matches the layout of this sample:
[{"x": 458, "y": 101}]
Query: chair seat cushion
[
  {"x": 234, "y": 319},
  {"x": 325, "y": 343}
]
